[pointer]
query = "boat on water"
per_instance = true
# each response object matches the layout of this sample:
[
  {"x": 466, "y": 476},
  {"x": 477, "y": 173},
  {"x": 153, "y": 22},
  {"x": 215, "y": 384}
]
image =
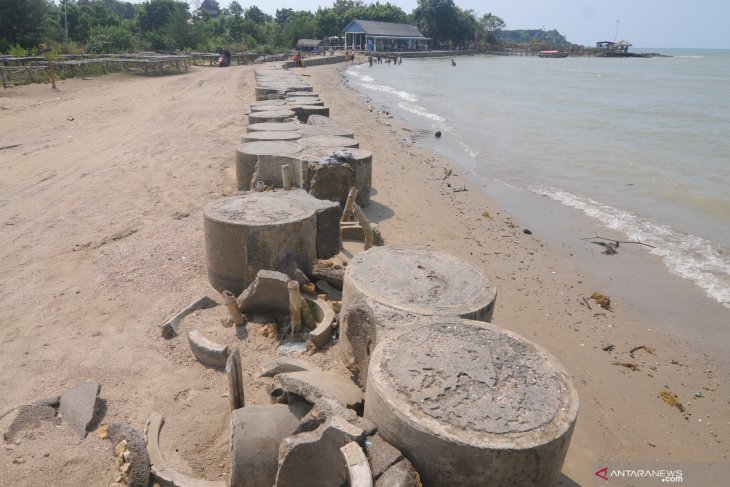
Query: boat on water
[{"x": 552, "y": 54}]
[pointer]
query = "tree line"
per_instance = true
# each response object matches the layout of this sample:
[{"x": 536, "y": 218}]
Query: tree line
[{"x": 114, "y": 26}]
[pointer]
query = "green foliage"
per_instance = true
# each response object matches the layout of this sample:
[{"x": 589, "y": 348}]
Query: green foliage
[
  {"x": 550, "y": 37},
  {"x": 22, "y": 21},
  {"x": 18, "y": 51},
  {"x": 111, "y": 39}
]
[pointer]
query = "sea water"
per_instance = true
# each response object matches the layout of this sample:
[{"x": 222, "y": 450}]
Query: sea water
[{"x": 640, "y": 145}]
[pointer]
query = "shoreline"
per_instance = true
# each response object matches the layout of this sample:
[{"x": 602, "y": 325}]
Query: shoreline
[{"x": 541, "y": 286}]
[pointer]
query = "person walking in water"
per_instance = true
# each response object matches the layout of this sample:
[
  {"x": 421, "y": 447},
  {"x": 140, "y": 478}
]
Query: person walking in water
[{"x": 453, "y": 63}]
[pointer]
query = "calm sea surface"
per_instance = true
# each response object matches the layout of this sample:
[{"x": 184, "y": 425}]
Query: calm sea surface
[{"x": 642, "y": 145}]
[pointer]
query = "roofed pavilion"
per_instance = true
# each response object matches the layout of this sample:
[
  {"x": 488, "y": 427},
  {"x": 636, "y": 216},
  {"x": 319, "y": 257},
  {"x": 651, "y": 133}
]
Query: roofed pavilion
[{"x": 369, "y": 35}]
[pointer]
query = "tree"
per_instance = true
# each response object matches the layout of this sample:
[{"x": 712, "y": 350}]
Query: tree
[
  {"x": 283, "y": 15},
  {"x": 235, "y": 9},
  {"x": 154, "y": 14},
  {"x": 21, "y": 21},
  {"x": 436, "y": 19},
  {"x": 256, "y": 15},
  {"x": 490, "y": 25}
]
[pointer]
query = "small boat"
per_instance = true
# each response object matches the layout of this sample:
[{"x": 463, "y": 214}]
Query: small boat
[{"x": 552, "y": 54}]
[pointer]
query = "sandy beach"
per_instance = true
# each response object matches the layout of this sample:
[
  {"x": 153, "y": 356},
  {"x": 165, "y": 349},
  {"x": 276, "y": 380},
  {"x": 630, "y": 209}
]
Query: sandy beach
[{"x": 101, "y": 189}]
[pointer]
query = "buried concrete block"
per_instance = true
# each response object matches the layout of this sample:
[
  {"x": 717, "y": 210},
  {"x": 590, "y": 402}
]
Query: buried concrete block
[
  {"x": 385, "y": 286},
  {"x": 314, "y": 458},
  {"x": 471, "y": 404},
  {"x": 207, "y": 352},
  {"x": 80, "y": 407},
  {"x": 164, "y": 475},
  {"x": 256, "y": 433},
  {"x": 313, "y": 385},
  {"x": 282, "y": 365},
  {"x": 358, "y": 469},
  {"x": 253, "y": 231},
  {"x": 169, "y": 327}
]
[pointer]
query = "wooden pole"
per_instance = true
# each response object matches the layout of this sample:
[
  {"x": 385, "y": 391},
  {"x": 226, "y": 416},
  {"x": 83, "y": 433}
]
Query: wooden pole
[{"x": 2, "y": 74}]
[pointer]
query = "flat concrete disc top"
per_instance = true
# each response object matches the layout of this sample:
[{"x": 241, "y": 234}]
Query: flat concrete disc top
[
  {"x": 273, "y": 135},
  {"x": 329, "y": 141},
  {"x": 274, "y": 114},
  {"x": 265, "y": 208},
  {"x": 303, "y": 100},
  {"x": 268, "y": 148},
  {"x": 421, "y": 281},
  {"x": 474, "y": 377},
  {"x": 268, "y": 103},
  {"x": 273, "y": 126}
]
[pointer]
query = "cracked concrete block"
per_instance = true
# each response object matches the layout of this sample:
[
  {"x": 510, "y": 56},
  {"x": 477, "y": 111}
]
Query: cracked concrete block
[
  {"x": 381, "y": 455},
  {"x": 80, "y": 407},
  {"x": 207, "y": 352},
  {"x": 386, "y": 286},
  {"x": 260, "y": 231},
  {"x": 469, "y": 403},
  {"x": 325, "y": 408},
  {"x": 324, "y": 316},
  {"x": 283, "y": 365},
  {"x": 402, "y": 474},
  {"x": 314, "y": 458},
  {"x": 256, "y": 433},
  {"x": 266, "y": 293},
  {"x": 313, "y": 385},
  {"x": 303, "y": 112}
]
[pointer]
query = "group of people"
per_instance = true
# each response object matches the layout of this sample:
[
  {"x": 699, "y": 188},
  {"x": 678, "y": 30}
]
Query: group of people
[{"x": 389, "y": 59}]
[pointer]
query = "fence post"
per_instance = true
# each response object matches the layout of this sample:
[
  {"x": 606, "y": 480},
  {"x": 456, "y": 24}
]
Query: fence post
[{"x": 2, "y": 74}]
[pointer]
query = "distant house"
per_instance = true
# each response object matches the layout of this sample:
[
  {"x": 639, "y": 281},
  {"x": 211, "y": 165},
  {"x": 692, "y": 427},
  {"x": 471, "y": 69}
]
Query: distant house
[
  {"x": 614, "y": 48},
  {"x": 309, "y": 44},
  {"x": 369, "y": 35}
]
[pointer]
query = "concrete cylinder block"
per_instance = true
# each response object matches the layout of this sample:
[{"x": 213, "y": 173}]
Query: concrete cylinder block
[
  {"x": 264, "y": 105},
  {"x": 269, "y": 230},
  {"x": 303, "y": 100},
  {"x": 385, "y": 287},
  {"x": 329, "y": 141},
  {"x": 247, "y": 159},
  {"x": 273, "y": 126},
  {"x": 273, "y": 135},
  {"x": 302, "y": 93},
  {"x": 303, "y": 112},
  {"x": 312, "y": 130},
  {"x": 282, "y": 115},
  {"x": 471, "y": 404}
]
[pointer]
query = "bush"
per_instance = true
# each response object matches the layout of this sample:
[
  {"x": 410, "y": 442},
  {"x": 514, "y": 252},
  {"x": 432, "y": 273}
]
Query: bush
[{"x": 111, "y": 39}]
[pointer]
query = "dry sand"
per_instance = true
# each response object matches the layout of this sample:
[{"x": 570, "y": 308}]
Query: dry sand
[{"x": 101, "y": 190}]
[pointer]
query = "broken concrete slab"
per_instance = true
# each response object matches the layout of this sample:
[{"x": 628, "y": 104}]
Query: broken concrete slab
[
  {"x": 163, "y": 474},
  {"x": 326, "y": 408},
  {"x": 267, "y": 292},
  {"x": 315, "y": 456},
  {"x": 256, "y": 433},
  {"x": 313, "y": 385},
  {"x": 324, "y": 316},
  {"x": 207, "y": 352},
  {"x": 327, "y": 288},
  {"x": 169, "y": 327},
  {"x": 356, "y": 463},
  {"x": 283, "y": 365},
  {"x": 331, "y": 271},
  {"x": 469, "y": 403},
  {"x": 236, "y": 395},
  {"x": 80, "y": 407}
]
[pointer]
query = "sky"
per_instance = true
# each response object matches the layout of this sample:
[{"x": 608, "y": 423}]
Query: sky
[{"x": 644, "y": 23}]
